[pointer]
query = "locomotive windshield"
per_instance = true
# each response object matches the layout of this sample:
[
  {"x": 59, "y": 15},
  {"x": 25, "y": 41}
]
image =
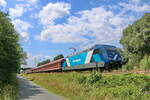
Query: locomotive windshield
[{"x": 112, "y": 52}]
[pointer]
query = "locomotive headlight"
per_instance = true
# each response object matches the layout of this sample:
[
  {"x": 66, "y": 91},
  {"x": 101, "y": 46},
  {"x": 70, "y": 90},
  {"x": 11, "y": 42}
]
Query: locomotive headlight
[{"x": 101, "y": 64}]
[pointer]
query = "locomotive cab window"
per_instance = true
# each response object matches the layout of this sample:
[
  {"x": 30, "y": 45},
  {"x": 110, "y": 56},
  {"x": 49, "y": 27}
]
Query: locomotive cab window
[{"x": 97, "y": 51}]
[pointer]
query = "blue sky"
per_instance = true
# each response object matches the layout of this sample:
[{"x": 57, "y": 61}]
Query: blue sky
[{"x": 50, "y": 27}]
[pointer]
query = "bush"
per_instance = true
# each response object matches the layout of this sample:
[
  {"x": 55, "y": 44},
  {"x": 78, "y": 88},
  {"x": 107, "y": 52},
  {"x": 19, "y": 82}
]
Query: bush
[
  {"x": 81, "y": 79},
  {"x": 133, "y": 62},
  {"x": 94, "y": 77},
  {"x": 146, "y": 87},
  {"x": 9, "y": 91},
  {"x": 128, "y": 66},
  {"x": 145, "y": 63}
]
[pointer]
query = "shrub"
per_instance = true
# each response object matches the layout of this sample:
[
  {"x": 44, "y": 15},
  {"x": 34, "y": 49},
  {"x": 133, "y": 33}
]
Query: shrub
[
  {"x": 145, "y": 63},
  {"x": 81, "y": 79},
  {"x": 94, "y": 77},
  {"x": 133, "y": 62},
  {"x": 128, "y": 66},
  {"x": 9, "y": 91},
  {"x": 146, "y": 87}
]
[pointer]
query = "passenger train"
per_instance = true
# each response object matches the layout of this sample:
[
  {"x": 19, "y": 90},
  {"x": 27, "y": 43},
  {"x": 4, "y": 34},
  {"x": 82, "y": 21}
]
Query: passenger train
[{"x": 98, "y": 56}]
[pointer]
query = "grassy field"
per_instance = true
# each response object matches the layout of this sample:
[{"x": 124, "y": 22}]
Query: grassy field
[
  {"x": 9, "y": 91},
  {"x": 95, "y": 86}
]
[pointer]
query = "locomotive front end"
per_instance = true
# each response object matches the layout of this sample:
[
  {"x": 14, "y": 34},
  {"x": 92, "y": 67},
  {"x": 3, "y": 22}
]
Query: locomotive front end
[{"x": 114, "y": 57}]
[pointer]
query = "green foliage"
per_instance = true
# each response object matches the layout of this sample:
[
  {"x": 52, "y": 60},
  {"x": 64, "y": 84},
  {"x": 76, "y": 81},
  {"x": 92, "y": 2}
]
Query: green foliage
[
  {"x": 82, "y": 79},
  {"x": 9, "y": 91},
  {"x": 133, "y": 61},
  {"x": 123, "y": 55},
  {"x": 94, "y": 86},
  {"x": 58, "y": 57},
  {"x": 136, "y": 39},
  {"x": 43, "y": 62},
  {"x": 91, "y": 79},
  {"x": 94, "y": 77},
  {"x": 145, "y": 63},
  {"x": 11, "y": 54}
]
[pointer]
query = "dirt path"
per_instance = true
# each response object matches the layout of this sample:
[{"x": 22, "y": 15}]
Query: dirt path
[{"x": 30, "y": 91}]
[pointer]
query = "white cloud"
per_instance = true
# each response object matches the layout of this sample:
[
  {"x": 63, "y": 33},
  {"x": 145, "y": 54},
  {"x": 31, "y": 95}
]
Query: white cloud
[
  {"x": 17, "y": 11},
  {"x": 61, "y": 34},
  {"x": 30, "y": 1},
  {"x": 25, "y": 35},
  {"x": 135, "y": 1},
  {"x": 32, "y": 60},
  {"x": 22, "y": 27},
  {"x": 21, "y": 8},
  {"x": 95, "y": 25},
  {"x": 135, "y": 5},
  {"x": 53, "y": 11},
  {"x": 3, "y": 3}
]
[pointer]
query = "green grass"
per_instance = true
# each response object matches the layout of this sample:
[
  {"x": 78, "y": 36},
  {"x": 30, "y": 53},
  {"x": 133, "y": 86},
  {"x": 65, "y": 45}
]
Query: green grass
[
  {"x": 9, "y": 91},
  {"x": 94, "y": 86}
]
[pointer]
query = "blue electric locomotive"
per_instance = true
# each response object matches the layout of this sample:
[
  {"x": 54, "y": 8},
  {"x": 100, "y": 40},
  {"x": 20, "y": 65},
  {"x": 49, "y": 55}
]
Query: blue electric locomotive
[{"x": 97, "y": 56}]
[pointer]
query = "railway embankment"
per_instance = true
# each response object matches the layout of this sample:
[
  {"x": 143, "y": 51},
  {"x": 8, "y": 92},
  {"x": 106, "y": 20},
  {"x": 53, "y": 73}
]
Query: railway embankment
[
  {"x": 95, "y": 85},
  {"x": 31, "y": 91}
]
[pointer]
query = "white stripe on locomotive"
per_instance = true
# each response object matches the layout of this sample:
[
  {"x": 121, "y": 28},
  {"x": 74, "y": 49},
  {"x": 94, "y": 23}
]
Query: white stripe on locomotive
[
  {"x": 88, "y": 57},
  {"x": 68, "y": 62}
]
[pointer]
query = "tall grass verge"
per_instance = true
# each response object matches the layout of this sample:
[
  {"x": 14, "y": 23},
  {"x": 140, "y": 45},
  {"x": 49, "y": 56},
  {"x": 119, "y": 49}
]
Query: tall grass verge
[
  {"x": 94, "y": 86},
  {"x": 9, "y": 91}
]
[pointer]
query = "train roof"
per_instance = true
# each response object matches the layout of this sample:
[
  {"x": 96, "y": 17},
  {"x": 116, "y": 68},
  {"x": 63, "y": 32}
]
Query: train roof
[
  {"x": 93, "y": 47},
  {"x": 56, "y": 61}
]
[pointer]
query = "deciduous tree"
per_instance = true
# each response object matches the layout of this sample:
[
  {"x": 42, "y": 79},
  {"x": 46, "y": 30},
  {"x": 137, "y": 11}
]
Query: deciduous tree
[
  {"x": 136, "y": 40},
  {"x": 11, "y": 53}
]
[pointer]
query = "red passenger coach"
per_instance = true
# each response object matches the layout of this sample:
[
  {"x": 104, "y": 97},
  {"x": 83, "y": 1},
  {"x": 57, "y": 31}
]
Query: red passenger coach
[{"x": 52, "y": 66}]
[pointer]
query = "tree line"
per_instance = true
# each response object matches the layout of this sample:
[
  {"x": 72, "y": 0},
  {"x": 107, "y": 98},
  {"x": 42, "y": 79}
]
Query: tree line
[{"x": 48, "y": 60}]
